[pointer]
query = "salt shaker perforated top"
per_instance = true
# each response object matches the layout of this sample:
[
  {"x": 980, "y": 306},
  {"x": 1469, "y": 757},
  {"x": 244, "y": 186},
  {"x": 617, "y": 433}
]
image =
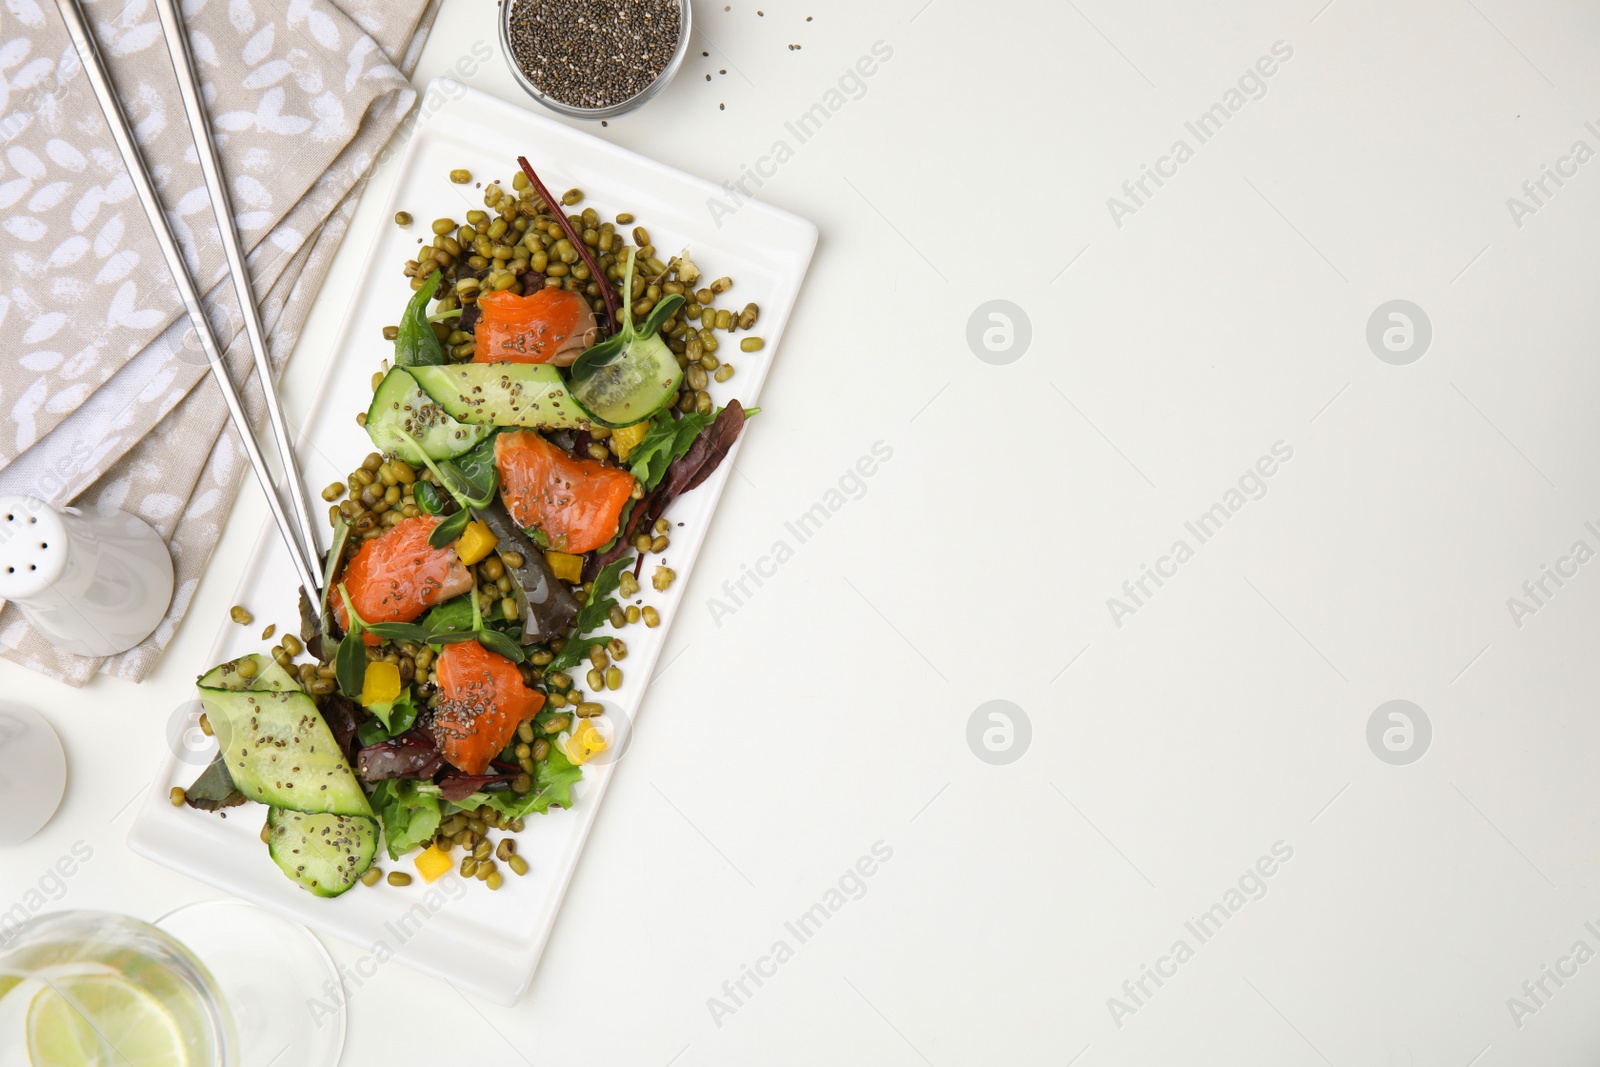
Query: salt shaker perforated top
[{"x": 93, "y": 581}]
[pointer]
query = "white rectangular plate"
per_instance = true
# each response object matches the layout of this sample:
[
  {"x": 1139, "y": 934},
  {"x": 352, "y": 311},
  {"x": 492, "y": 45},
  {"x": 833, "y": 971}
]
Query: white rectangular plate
[{"x": 485, "y": 942}]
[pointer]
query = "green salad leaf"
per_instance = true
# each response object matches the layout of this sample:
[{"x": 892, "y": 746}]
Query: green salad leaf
[
  {"x": 457, "y": 620},
  {"x": 552, "y": 787},
  {"x": 499, "y": 643},
  {"x": 449, "y": 529},
  {"x": 410, "y": 812},
  {"x": 402, "y": 716},
  {"x": 429, "y": 500},
  {"x": 398, "y": 631},
  {"x": 350, "y": 660},
  {"x": 397, "y": 714},
  {"x": 453, "y": 616},
  {"x": 666, "y": 440},
  {"x": 594, "y": 614},
  {"x": 473, "y": 476},
  {"x": 415, "y": 344},
  {"x": 330, "y": 569}
]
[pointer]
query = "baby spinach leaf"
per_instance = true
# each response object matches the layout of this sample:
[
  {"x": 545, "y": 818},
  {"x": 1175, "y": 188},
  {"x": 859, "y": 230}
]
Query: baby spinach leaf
[
  {"x": 449, "y": 529},
  {"x": 428, "y": 498},
  {"x": 350, "y": 661},
  {"x": 499, "y": 643},
  {"x": 398, "y": 631},
  {"x": 661, "y": 313},
  {"x": 350, "y": 665},
  {"x": 397, "y": 715},
  {"x": 415, "y": 344},
  {"x": 473, "y": 477},
  {"x": 453, "y": 616}
]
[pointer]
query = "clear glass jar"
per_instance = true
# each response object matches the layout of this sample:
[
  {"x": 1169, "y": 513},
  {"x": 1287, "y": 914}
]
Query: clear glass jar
[{"x": 622, "y": 108}]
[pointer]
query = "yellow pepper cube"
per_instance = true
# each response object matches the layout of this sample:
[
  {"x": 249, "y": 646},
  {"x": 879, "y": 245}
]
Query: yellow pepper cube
[
  {"x": 566, "y": 566},
  {"x": 585, "y": 743},
  {"x": 381, "y": 684},
  {"x": 625, "y": 440},
  {"x": 433, "y": 863},
  {"x": 475, "y": 544}
]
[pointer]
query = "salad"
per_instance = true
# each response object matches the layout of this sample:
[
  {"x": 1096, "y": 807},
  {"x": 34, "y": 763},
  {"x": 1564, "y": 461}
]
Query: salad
[{"x": 546, "y": 403}]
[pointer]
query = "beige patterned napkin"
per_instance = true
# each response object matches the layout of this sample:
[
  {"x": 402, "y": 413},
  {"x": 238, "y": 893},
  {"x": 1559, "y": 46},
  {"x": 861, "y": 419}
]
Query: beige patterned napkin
[{"x": 107, "y": 398}]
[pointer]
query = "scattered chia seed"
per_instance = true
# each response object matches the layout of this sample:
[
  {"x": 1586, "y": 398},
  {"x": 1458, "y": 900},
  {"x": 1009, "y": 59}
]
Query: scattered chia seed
[{"x": 594, "y": 53}]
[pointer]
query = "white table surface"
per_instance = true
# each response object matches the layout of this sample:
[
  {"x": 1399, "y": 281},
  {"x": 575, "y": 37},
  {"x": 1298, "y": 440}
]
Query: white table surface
[{"x": 1169, "y": 754}]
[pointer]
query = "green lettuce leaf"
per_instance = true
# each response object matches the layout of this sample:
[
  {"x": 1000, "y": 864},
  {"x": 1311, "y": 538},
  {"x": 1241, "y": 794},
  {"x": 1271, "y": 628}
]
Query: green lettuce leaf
[
  {"x": 552, "y": 788},
  {"x": 409, "y": 811},
  {"x": 666, "y": 440},
  {"x": 391, "y": 719}
]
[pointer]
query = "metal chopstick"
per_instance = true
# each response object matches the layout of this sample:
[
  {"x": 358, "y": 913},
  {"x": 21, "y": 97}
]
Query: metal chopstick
[
  {"x": 222, "y": 208},
  {"x": 121, "y": 132}
]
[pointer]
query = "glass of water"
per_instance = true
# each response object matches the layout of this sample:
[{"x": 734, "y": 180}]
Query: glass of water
[{"x": 89, "y": 989}]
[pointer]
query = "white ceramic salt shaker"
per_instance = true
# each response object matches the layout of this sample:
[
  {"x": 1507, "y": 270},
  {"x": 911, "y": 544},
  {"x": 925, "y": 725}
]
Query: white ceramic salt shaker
[{"x": 93, "y": 581}]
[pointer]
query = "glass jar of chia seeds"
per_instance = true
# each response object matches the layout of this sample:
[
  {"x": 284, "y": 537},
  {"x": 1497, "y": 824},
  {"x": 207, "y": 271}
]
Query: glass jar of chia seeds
[{"x": 594, "y": 59}]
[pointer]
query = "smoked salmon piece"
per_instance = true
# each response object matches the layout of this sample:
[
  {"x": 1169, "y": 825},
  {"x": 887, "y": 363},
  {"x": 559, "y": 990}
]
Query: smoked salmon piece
[
  {"x": 575, "y": 503},
  {"x": 550, "y": 326},
  {"x": 482, "y": 701},
  {"x": 396, "y": 576}
]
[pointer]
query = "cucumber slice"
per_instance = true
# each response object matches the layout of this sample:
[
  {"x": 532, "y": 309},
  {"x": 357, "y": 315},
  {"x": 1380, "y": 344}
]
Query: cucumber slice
[
  {"x": 406, "y": 421},
  {"x": 326, "y": 854},
  {"x": 504, "y": 394},
  {"x": 268, "y": 676},
  {"x": 642, "y": 379},
  {"x": 280, "y": 751}
]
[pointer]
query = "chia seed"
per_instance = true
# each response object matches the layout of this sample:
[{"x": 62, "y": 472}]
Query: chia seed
[{"x": 594, "y": 53}]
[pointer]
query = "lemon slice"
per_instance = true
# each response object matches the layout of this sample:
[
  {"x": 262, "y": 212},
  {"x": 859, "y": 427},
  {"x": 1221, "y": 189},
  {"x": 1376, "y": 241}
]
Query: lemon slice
[{"x": 68, "y": 1021}]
